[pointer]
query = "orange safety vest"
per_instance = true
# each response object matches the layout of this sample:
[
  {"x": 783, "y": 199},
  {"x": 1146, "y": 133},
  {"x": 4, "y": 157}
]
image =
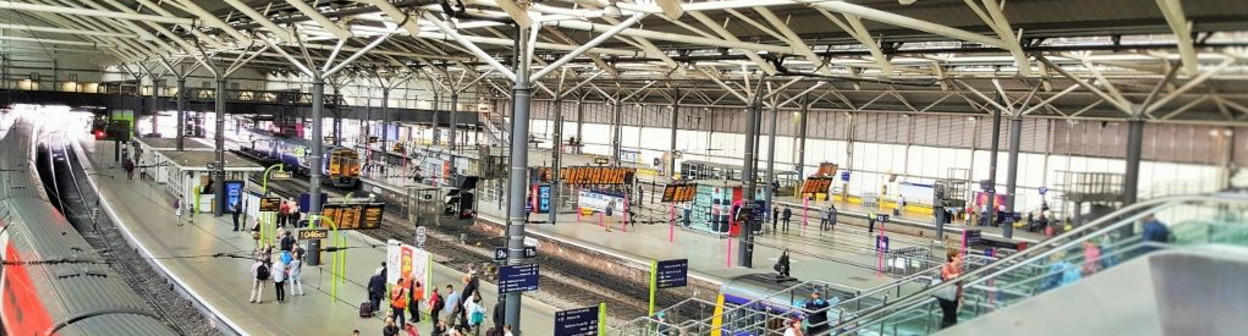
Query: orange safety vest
[{"x": 398, "y": 297}]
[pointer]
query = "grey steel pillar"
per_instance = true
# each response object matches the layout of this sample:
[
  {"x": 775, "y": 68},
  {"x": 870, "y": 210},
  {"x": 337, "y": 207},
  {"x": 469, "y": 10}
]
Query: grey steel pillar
[
  {"x": 219, "y": 176},
  {"x": 454, "y": 124},
  {"x": 745, "y": 251},
  {"x": 138, "y": 104},
  {"x": 385, "y": 127},
  {"x": 556, "y": 161},
  {"x": 155, "y": 102},
  {"x": 801, "y": 140},
  {"x": 617, "y": 128},
  {"x": 675, "y": 125},
  {"x": 1135, "y": 144},
  {"x": 314, "y": 179},
  {"x": 181, "y": 136},
  {"x": 580, "y": 119},
  {"x": 437, "y": 129},
  {"x": 1011, "y": 176},
  {"x": 991, "y": 211},
  {"x": 771, "y": 157},
  {"x": 518, "y": 176}
]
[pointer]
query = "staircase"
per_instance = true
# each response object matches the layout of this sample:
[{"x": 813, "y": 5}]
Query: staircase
[
  {"x": 495, "y": 127},
  {"x": 1201, "y": 220}
]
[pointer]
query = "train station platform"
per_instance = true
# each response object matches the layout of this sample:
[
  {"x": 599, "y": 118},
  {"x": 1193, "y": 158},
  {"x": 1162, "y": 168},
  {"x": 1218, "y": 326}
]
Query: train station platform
[{"x": 191, "y": 255}]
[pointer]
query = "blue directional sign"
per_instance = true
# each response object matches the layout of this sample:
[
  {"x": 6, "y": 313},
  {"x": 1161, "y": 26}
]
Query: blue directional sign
[
  {"x": 673, "y": 273},
  {"x": 501, "y": 253},
  {"x": 1043, "y": 190},
  {"x": 517, "y": 278},
  {"x": 881, "y": 243},
  {"x": 845, "y": 176},
  {"x": 305, "y": 202},
  {"x": 577, "y": 322},
  {"x": 543, "y": 199}
]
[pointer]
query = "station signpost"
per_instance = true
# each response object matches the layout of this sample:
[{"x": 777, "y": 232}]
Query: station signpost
[
  {"x": 586, "y": 321},
  {"x": 667, "y": 274},
  {"x": 518, "y": 278}
]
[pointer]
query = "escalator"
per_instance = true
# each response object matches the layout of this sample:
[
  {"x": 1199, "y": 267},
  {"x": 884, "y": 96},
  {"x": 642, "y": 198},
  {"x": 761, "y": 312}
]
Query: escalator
[{"x": 1057, "y": 263}]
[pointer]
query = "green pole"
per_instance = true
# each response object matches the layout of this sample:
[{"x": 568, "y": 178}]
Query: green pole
[
  {"x": 602, "y": 319},
  {"x": 264, "y": 188},
  {"x": 334, "y": 272},
  {"x": 654, "y": 283}
]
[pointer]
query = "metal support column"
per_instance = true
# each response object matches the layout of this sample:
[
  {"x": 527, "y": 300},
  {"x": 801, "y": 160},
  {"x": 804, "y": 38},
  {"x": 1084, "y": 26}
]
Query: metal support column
[
  {"x": 990, "y": 212},
  {"x": 314, "y": 179},
  {"x": 219, "y": 173},
  {"x": 139, "y": 105},
  {"x": 745, "y": 251},
  {"x": 181, "y": 133},
  {"x": 771, "y": 157},
  {"x": 454, "y": 124},
  {"x": 437, "y": 128},
  {"x": 155, "y": 103},
  {"x": 1135, "y": 144},
  {"x": 518, "y": 176},
  {"x": 1011, "y": 176},
  {"x": 385, "y": 128},
  {"x": 617, "y": 128},
  {"x": 556, "y": 161},
  {"x": 801, "y": 140},
  {"x": 671, "y": 163},
  {"x": 580, "y": 120}
]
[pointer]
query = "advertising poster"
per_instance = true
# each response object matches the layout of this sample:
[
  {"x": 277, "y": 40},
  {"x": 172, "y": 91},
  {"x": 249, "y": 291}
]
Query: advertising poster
[
  {"x": 599, "y": 201},
  {"x": 408, "y": 260}
]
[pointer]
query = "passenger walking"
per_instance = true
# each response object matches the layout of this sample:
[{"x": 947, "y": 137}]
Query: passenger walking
[
  {"x": 475, "y": 312},
  {"x": 775, "y": 218},
  {"x": 296, "y": 272},
  {"x": 471, "y": 283},
  {"x": 1155, "y": 232},
  {"x": 816, "y": 314},
  {"x": 259, "y": 275},
  {"x": 376, "y": 289},
  {"x": 287, "y": 242},
  {"x": 499, "y": 313},
  {"x": 949, "y": 303},
  {"x": 398, "y": 301},
  {"x": 236, "y": 210},
  {"x": 177, "y": 209},
  {"x": 279, "y": 280},
  {"x": 255, "y": 232},
  {"x": 128, "y": 166},
  {"x": 787, "y": 215},
  {"x": 283, "y": 214},
  {"x": 782, "y": 264}
]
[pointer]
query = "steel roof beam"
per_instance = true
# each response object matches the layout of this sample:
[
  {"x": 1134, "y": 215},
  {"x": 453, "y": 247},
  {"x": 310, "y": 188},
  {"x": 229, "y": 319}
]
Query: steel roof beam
[
  {"x": 56, "y": 30},
  {"x": 260, "y": 19},
  {"x": 27, "y": 7},
  {"x": 1173, "y": 11}
]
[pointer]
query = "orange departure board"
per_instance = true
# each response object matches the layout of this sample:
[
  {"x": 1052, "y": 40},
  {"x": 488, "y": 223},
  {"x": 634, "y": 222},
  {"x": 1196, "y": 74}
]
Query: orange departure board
[
  {"x": 372, "y": 216},
  {"x": 679, "y": 193},
  {"x": 355, "y": 216},
  {"x": 827, "y": 169},
  {"x": 270, "y": 204},
  {"x": 597, "y": 175},
  {"x": 817, "y": 185}
]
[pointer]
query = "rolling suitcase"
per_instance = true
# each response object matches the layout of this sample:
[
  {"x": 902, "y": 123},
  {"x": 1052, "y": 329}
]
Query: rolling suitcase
[{"x": 366, "y": 309}]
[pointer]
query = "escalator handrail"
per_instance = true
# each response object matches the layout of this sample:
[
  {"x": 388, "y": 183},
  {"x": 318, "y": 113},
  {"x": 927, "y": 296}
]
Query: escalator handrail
[{"x": 1045, "y": 248}]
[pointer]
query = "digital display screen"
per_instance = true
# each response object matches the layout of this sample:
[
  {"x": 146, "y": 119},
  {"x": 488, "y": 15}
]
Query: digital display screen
[
  {"x": 270, "y": 204},
  {"x": 679, "y": 193},
  {"x": 597, "y": 175},
  {"x": 827, "y": 169},
  {"x": 817, "y": 185},
  {"x": 306, "y": 234}
]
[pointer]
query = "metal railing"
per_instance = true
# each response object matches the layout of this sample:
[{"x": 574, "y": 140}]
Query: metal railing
[{"x": 1101, "y": 227}]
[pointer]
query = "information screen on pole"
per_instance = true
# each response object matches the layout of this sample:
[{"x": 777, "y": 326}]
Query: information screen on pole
[
  {"x": 577, "y": 322},
  {"x": 355, "y": 216},
  {"x": 672, "y": 273},
  {"x": 597, "y": 175},
  {"x": 817, "y": 185},
  {"x": 270, "y": 204},
  {"x": 679, "y": 193},
  {"x": 827, "y": 169},
  {"x": 517, "y": 278}
]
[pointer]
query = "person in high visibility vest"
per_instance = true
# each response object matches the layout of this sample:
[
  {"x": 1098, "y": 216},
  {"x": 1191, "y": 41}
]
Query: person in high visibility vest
[{"x": 398, "y": 301}]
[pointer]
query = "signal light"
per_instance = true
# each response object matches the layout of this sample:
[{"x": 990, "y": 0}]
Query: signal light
[{"x": 99, "y": 135}]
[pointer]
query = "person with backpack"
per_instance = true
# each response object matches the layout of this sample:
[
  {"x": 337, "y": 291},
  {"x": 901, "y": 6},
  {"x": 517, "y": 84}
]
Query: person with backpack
[
  {"x": 283, "y": 214},
  {"x": 782, "y": 264},
  {"x": 287, "y": 242},
  {"x": 499, "y": 313},
  {"x": 398, "y": 301},
  {"x": 435, "y": 305},
  {"x": 128, "y": 166},
  {"x": 451, "y": 306},
  {"x": 475, "y": 313},
  {"x": 279, "y": 280},
  {"x": 829, "y": 219},
  {"x": 259, "y": 275}
]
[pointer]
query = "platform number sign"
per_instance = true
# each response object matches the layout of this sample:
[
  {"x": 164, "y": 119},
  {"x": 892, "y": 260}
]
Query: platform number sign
[
  {"x": 421, "y": 236},
  {"x": 577, "y": 322},
  {"x": 882, "y": 218},
  {"x": 1043, "y": 190},
  {"x": 501, "y": 253}
]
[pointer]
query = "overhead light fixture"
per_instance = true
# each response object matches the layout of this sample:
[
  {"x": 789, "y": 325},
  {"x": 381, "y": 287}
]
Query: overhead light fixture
[{"x": 611, "y": 10}]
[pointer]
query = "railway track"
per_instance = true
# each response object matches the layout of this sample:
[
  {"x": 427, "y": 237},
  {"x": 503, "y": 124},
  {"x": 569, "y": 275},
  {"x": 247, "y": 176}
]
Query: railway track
[{"x": 564, "y": 284}]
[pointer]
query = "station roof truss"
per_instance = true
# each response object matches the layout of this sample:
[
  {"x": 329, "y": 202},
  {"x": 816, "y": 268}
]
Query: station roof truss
[{"x": 1159, "y": 60}]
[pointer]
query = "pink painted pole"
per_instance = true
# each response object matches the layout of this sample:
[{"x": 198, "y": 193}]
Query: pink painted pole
[
  {"x": 602, "y": 221},
  {"x": 671, "y": 223},
  {"x": 624, "y": 224},
  {"x": 729, "y": 254},
  {"x": 805, "y": 208}
]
